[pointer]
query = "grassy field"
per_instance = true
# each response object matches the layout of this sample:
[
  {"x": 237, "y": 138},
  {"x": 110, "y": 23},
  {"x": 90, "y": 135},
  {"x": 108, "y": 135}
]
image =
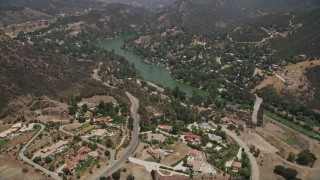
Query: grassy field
[
  {"x": 292, "y": 125},
  {"x": 3, "y": 142}
]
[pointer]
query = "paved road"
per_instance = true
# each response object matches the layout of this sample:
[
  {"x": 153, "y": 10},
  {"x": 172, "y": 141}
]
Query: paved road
[
  {"x": 256, "y": 109},
  {"x": 255, "y": 174},
  {"x": 112, "y": 152},
  {"x": 135, "y": 140},
  {"x": 37, "y": 166}
]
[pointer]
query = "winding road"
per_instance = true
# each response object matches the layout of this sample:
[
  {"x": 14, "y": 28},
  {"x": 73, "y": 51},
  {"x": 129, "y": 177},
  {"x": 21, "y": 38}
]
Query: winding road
[
  {"x": 134, "y": 142},
  {"x": 255, "y": 173},
  {"x": 37, "y": 166},
  {"x": 256, "y": 108}
]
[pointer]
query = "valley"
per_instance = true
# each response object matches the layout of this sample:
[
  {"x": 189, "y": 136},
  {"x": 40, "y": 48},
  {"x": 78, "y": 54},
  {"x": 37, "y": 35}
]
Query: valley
[{"x": 166, "y": 90}]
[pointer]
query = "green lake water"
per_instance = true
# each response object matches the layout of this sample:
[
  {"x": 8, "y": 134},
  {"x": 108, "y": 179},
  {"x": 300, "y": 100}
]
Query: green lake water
[{"x": 150, "y": 72}]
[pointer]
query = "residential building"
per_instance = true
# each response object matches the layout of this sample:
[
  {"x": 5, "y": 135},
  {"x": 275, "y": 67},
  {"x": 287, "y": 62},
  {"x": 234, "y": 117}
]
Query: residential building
[
  {"x": 205, "y": 126},
  {"x": 104, "y": 119},
  {"x": 84, "y": 150},
  {"x": 215, "y": 138},
  {"x": 225, "y": 120},
  {"x": 189, "y": 137},
  {"x": 166, "y": 128},
  {"x": 76, "y": 161},
  {"x": 194, "y": 153},
  {"x": 157, "y": 153},
  {"x": 236, "y": 166}
]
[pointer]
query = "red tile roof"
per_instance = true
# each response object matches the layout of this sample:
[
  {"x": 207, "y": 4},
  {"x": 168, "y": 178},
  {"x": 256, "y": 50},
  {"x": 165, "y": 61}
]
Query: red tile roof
[
  {"x": 165, "y": 127},
  {"x": 74, "y": 161},
  {"x": 103, "y": 119},
  {"x": 84, "y": 150},
  {"x": 189, "y": 136},
  {"x": 236, "y": 164},
  {"x": 194, "y": 152}
]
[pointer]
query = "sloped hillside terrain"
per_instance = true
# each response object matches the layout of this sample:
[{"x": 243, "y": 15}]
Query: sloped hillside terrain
[
  {"x": 25, "y": 71},
  {"x": 18, "y": 11},
  {"x": 111, "y": 18}
]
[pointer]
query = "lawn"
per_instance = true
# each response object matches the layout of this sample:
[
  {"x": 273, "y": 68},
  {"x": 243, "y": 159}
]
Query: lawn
[{"x": 292, "y": 125}]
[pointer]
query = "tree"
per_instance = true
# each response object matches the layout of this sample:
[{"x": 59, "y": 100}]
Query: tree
[
  {"x": 291, "y": 157},
  {"x": 37, "y": 160},
  {"x": 47, "y": 160},
  {"x": 153, "y": 174},
  {"x": 205, "y": 139},
  {"x": 25, "y": 170},
  {"x": 130, "y": 177},
  {"x": 109, "y": 143},
  {"x": 305, "y": 157},
  {"x": 287, "y": 173},
  {"x": 107, "y": 153},
  {"x": 240, "y": 127},
  {"x": 116, "y": 175},
  {"x": 130, "y": 123}
]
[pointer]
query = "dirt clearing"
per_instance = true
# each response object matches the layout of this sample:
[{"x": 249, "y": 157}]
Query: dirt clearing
[{"x": 180, "y": 150}]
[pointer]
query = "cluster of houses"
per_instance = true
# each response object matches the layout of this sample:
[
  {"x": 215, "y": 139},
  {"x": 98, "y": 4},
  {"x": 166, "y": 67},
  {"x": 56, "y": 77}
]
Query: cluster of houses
[{"x": 16, "y": 130}]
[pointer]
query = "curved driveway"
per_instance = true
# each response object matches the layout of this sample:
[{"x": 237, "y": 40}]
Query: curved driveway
[{"x": 37, "y": 166}]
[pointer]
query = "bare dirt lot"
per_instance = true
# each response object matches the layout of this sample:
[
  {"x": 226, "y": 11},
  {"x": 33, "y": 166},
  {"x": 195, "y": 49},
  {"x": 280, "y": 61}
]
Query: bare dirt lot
[
  {"x": 180, "y": 150},
  {"x": 97, "y": 99},
  {"x": 138, "y": 152},
  {"x": 288, "y": 140},
  {"x": 211, "y": 176},
  {"x": 138, "y": 171},
  {"x": 252, "y": 138},
  {"x": 297, "y": 74},
  {"x": 284, "y": 137},
  {"x": 269, "y": 161},
  {"x": 10, "y": 169}
]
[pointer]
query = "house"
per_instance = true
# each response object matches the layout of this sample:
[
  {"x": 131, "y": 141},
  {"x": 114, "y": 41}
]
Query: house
[
  {"x": 76, "y": 161},
  {"x": 225, "y": 120},
  {"x": 215, "y": 138},
  {"x": 174, "y": 177},
  {"x": 84, "y": 150},
  {"x": 98, "y": 133},
  {"x": 189, "y": 137},
  {"x": 166, "y": 128},
  {"x": 236, "y": 166},
  {"x": 27, "y": 127},
  {"x": 104, "y": 119},
  {"x": 157, "y": 154},
  {"x": 156, "y": 137},
  {"x": 48, "y": 151},
  {"x": 194, "y": 153},
  {"x": 205, "y": 126},
  {"x": 196, "y": 164}
]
